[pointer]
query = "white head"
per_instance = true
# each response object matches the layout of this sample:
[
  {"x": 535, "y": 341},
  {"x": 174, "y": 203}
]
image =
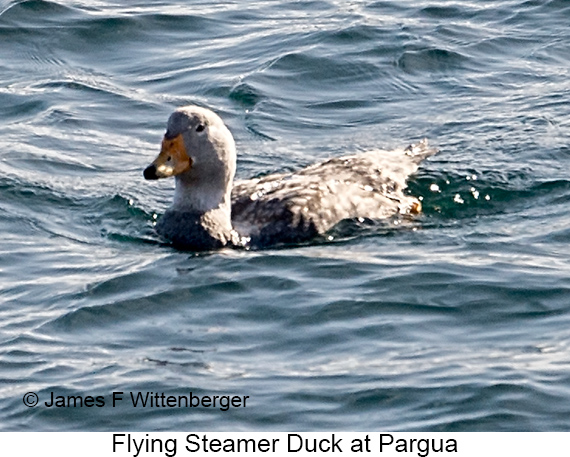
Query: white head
[{"x": 199, "y": 150}]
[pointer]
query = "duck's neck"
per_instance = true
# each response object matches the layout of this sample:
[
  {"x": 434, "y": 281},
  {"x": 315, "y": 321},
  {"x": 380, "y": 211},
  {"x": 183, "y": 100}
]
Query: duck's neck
[
  {"x": 201, "y": 197},
  {"x": 200, "y": 216}
]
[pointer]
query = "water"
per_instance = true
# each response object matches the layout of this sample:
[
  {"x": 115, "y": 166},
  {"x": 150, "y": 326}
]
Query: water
[{"x": 458, "y": 322}]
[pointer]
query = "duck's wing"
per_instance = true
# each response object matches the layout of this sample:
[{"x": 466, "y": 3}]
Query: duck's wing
[{"x": 292, "y": 207}]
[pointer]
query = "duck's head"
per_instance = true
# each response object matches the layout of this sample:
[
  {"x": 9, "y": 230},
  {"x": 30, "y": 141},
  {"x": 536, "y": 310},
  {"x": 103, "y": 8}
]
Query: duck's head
[{"x": 199, "y": 150}]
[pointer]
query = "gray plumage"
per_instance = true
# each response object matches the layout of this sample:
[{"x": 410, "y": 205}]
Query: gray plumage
[{"x": 278, "y": 208}]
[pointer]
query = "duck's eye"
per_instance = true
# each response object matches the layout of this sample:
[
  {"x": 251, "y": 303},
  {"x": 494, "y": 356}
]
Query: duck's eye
[{"x": 200, "y": 128}]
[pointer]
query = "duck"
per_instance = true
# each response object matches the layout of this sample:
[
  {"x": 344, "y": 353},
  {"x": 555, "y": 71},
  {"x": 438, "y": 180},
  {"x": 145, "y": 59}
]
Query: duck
[{"x": 211, "y": 211}]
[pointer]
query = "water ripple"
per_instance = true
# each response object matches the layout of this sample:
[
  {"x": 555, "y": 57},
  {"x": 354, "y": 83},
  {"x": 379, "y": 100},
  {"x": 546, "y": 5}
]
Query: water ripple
[{"x": 455, "y": 321}]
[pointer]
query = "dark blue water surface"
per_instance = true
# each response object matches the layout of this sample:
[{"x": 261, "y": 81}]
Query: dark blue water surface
[{"x": 459, "y": 321}]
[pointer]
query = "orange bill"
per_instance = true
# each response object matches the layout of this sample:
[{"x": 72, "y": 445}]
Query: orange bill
[{"x": 172, "y": 160}]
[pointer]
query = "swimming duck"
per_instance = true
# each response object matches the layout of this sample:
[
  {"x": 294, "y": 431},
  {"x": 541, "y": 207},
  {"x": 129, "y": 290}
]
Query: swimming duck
[{"x": 209, "y": 211}]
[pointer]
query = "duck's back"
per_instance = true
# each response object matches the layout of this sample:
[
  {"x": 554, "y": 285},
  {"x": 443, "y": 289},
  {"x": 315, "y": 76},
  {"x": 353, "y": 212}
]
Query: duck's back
[{"x": 293, "y": 207}]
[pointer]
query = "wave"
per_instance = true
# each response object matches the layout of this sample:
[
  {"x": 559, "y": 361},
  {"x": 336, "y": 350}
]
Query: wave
[
  {"x": 74, "y": 215},
  {"x": 433, "y": 60}
]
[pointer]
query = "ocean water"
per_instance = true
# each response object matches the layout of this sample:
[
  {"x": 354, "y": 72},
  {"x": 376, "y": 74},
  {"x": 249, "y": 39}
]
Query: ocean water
[{"x": 457, "y": 322}]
